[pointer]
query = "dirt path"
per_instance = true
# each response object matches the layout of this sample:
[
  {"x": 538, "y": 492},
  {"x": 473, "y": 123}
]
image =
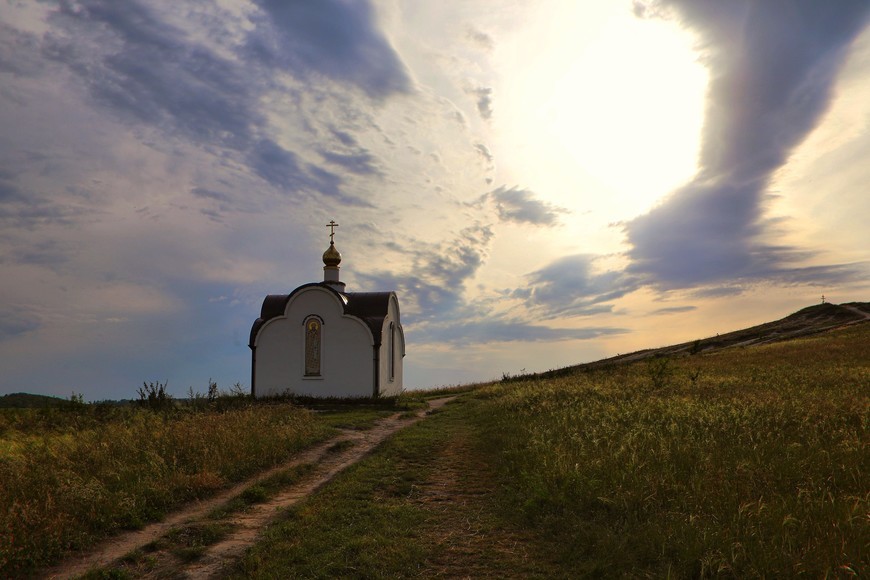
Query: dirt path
[
  {"x": 470, "y": 542},
  {"x": 246, "y": 525}
]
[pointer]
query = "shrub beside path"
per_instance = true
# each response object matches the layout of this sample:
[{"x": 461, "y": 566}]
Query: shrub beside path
[{"x": 328, "y": 459}]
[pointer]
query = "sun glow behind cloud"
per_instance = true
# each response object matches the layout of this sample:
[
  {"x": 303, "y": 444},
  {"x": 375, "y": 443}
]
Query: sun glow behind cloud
[{"x": 616, "y": 107}]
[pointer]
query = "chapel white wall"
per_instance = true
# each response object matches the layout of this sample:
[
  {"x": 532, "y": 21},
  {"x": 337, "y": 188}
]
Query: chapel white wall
[{"x": 347, "y": 365}]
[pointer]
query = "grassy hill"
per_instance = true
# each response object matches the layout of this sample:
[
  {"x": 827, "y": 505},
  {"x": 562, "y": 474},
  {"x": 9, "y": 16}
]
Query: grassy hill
[
  {"x": 805, "y": 322},
  {"x": 743, "y": 462},
  {"x": 744, "y": 456},
  {"x": 30, "y": 401}
]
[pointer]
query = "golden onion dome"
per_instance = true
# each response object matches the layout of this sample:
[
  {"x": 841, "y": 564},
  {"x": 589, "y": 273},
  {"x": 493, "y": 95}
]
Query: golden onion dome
[{"x": 331, "y": 257}]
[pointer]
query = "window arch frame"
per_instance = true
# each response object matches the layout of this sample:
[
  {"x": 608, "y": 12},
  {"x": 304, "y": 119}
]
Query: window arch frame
[{"x": 312, "y": 347}]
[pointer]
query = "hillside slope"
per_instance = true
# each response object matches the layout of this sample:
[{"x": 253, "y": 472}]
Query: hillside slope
[
  {"x": 31, "y": 401},
  {"x": 804, "y": 322}
]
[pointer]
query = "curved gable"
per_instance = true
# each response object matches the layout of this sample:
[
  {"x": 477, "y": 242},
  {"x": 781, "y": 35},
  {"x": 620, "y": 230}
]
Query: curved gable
[{"x": 369, "y": 307}]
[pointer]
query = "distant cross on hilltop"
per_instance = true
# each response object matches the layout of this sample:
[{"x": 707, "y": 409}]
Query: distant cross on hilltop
[
  {"x": 823, "y": 298},
  {"x": 332, "y": 225}
]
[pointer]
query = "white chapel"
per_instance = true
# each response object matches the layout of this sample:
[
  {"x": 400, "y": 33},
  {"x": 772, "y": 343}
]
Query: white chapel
[{"x": 322, "y": 341}]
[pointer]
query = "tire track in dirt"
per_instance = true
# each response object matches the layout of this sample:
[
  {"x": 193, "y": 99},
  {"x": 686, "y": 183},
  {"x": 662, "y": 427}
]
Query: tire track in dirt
[{"x": 248, "y": 524}]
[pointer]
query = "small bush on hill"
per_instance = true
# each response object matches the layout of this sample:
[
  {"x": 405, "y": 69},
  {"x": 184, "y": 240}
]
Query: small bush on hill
[{"x": 154, "y": 396}]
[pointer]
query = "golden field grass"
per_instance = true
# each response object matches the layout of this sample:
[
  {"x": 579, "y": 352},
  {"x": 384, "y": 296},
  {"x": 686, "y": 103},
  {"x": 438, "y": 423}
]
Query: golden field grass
[
  {"x": 743, "y": 462},
  {"x": 71, "y": 476},
  {"x": 751, "y": 462}
]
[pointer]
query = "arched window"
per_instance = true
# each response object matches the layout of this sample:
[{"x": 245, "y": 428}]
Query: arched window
[{"x": 313, "y": 328}]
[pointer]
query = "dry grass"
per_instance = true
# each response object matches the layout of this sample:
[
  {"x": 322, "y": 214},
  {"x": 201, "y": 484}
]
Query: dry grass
[
  {"x": 68, "y": 480},
  {"x": 747, "y": 462}
]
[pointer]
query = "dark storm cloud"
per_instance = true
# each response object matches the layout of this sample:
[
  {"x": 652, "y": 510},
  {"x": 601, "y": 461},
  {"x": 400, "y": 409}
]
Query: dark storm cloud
[
  {"x": 520, "y": 206},
  {"x": 773, "y": 64},
  {"x": 333, "y": 38},
  {"x": 569, "y": 286}
]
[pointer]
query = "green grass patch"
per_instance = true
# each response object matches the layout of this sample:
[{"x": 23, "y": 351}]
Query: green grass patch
[
  {"x": 189, "y": 543},
  {"x": 350, "y": 418},
  {"x": 106, "y": 574},
  {"x": 186, "y": 543},
  {"x": 262, "y": 491},
  {"x": 364, "y": 413},
  {"x": 342, "y": 531},
  {"x": 376, "y": 519}
]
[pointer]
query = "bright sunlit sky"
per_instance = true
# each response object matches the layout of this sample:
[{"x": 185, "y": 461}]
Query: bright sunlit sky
[{"x": 543, "y": 182}]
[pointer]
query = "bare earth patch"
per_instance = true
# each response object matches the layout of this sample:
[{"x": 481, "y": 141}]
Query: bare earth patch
[{"x": 329, "y": 458}]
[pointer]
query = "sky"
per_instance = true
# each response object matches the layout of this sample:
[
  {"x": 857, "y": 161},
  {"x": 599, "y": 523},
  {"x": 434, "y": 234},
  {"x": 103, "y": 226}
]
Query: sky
[{"x": 542, "y": 182}]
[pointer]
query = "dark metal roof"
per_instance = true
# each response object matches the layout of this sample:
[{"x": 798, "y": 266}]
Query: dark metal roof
[{"x": 370, "y": 307}]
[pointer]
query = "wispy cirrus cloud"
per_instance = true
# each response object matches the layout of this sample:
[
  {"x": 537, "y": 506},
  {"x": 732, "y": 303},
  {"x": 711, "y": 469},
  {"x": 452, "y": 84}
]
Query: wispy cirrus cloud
[
  {"x": 673, "y": 310},
  {"x": 573, "y": 286},
  {"x": 437, "y": 282},
  {"x": 518, "y": 205},
  {"x": 436, "y": 309}
]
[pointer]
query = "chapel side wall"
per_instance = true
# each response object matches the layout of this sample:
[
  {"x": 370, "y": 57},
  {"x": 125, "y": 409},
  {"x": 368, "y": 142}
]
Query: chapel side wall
[
  {"x": 388, "y": 388},
  {"x": 347, "y": 368}
]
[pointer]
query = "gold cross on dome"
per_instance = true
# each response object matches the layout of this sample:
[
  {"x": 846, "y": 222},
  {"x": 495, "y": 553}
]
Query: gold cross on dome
[{"x": 332, "y": 225}]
